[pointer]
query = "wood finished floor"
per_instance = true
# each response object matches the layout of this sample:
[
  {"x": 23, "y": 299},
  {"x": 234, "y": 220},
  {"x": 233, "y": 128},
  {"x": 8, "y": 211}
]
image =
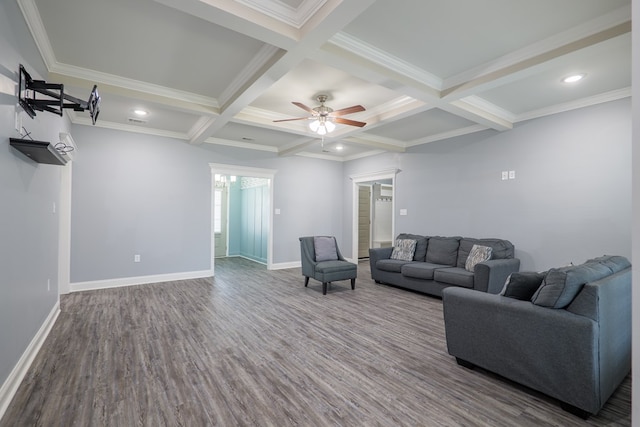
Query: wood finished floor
[{"x": 253, "y": 347}]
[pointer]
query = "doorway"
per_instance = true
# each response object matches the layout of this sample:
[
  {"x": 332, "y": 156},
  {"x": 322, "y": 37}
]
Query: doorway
[
  {"x": 241, "y": 220},
  {"x": 373, "y": 211}
]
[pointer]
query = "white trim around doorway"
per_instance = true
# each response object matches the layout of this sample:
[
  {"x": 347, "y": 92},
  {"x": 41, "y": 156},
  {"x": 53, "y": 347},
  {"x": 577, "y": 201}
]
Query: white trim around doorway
[
  {"x": 225, "y": 169},
  {"x": 357, "y": 179}
]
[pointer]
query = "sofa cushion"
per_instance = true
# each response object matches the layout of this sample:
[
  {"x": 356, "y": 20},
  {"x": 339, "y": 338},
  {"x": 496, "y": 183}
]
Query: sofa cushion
[
  {"x": 443, "y": 250},
  {"x": 454, "y": 276},
  {"x": 522, "y": 285},
  {"x": 614, "y": 262},
  {"x": 421, "y": 245},
  {"x": 403, "y": 249},
  {"x": 325, "y": 248},
  {"x": 501, "y": 249},
  {"x": 477, "y": 255},
  {"x": 561, "y": 285},
  {"x": 391, "y": 265},
  {"x": 420, "y": 270}
]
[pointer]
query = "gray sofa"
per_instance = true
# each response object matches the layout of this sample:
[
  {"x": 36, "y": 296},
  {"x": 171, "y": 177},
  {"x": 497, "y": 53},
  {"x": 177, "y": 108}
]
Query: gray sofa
[
  {"x": 439, "y": 262},
  {"x": 570, "y": 340}
]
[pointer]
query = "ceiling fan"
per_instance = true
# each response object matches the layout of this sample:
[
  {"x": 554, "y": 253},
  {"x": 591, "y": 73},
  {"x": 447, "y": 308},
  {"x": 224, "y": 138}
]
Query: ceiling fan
[{"x": 324, "y": 117}]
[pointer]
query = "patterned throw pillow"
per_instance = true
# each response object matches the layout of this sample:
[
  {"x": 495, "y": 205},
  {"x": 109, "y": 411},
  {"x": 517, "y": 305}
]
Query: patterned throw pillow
[
  {"x": 404, "y": 249},
  {"x": 478, "y": 254}
]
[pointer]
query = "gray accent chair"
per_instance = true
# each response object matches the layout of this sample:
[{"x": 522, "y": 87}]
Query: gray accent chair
[
  {"x": 578, "y": 351},
  {"x": 325, "y": 271}
]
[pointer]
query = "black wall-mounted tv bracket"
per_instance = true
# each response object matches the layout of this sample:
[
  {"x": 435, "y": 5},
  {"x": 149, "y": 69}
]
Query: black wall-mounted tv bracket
[{"x": 56, "y": 102}]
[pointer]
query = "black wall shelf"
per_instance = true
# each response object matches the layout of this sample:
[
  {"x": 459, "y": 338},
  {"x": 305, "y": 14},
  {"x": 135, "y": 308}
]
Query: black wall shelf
[{"x": 39, "y": 151}]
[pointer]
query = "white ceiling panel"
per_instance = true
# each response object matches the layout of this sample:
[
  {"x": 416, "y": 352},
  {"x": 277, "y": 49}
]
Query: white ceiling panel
[
  {"x": 607, "y": 66},
  {"x": 428, "y": 123},
  {"x": 145, "y": 41},
  {"x": 255, "y": 135},
  {"x": 446, "y": 38}
]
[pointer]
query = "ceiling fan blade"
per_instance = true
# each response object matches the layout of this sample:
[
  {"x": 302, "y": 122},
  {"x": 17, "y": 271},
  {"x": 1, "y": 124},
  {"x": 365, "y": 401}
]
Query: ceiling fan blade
[
  {"x": 305, "y": 108},
  {"x": 289, "y": 120},
  {"x": 348, "y": 122},
  {"x": 348, "y": 110}
]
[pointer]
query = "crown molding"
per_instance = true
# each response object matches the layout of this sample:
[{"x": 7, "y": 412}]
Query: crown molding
[
  {"x": 446, "y": 135},
  {"x": 239, "y": 144},
  {"x": 131, "y": 84},
  {"x": 34, "y": 22},
  {"x": 294, "y": 17},
  {"x": 613, "y": 95},
  {"x": 76, "y": 120},
  {"x": 371, "y": 53}
]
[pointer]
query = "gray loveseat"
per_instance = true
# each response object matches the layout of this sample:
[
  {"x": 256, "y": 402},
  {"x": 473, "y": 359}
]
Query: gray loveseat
[
  {"x": 439, "y": 262},
  {"x": 569, "y": 337}
]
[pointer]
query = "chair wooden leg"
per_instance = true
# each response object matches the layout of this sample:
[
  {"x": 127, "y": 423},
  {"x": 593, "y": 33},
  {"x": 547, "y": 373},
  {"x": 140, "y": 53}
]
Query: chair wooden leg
[
  {"x": 306, "y": 281},
  {"x": 324, "y": 288},
  {"x": 353, "y": 284}
]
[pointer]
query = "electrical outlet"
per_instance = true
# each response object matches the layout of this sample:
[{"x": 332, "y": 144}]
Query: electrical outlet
[
  {"x": 512, "y": 174},
  {"x": 505, "y": 175},
  {"x": 136, "y": 258},
  {"x": 403, "y": 212}
]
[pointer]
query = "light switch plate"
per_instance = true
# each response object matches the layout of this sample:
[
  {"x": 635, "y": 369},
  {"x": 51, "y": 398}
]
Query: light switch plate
[
  {"x": 403, "y": 211},
  {"x": 505, "y": 175}
]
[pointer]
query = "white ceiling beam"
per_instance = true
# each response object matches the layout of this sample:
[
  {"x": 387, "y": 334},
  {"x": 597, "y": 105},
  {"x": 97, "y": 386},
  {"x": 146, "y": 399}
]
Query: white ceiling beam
[
  {"x": 334, "y": 16},
  {"x": 377, "y": 142}
]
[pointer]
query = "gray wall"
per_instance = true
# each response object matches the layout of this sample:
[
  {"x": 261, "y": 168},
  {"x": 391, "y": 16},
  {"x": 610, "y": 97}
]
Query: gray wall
[
  {"x": 147, "y": 195},
  {"x": 28, "y": 190},
  {"x": 570, "y": 200}
]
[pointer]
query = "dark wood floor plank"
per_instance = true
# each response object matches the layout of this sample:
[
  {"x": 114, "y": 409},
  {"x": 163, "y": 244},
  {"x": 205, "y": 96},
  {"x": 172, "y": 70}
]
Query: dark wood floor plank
[{"x": 253, "y": 347}]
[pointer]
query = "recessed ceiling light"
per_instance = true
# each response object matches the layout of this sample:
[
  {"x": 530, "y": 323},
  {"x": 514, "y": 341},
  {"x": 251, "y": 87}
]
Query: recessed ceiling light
[
  {"x": 140, "y": 112},
  {"x": 573, "y": 78},
  {"x": 339, "y": 147}
]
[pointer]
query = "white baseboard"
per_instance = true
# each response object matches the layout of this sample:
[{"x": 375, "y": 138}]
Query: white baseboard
[
  {"x": 140, "y": 280},
  {"x": 283, "y": 265},
  {"x": 10, "y": 386}
]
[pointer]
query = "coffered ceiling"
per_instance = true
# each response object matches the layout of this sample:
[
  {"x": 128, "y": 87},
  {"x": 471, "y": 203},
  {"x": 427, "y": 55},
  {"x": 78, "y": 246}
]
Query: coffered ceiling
[{"x": 221, "y": 71}]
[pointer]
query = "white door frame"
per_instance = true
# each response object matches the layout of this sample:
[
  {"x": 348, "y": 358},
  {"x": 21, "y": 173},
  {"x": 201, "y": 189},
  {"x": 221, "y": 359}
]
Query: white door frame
[
  {"x": 224, "y": 169},
  {"x": 364, "y": 177}
]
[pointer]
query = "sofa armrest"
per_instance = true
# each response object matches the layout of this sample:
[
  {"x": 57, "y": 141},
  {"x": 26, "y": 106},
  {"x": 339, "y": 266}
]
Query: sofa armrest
[
  {"x": 379, "y": 253},
  {"x": 376, "y": 254},
  {"x": 549, "y": 350},
  {"x": 489, "y": 276}
]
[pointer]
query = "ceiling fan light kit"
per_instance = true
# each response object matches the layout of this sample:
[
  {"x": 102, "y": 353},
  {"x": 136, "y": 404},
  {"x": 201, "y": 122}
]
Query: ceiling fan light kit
[{"x": 324, "y": 118}]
